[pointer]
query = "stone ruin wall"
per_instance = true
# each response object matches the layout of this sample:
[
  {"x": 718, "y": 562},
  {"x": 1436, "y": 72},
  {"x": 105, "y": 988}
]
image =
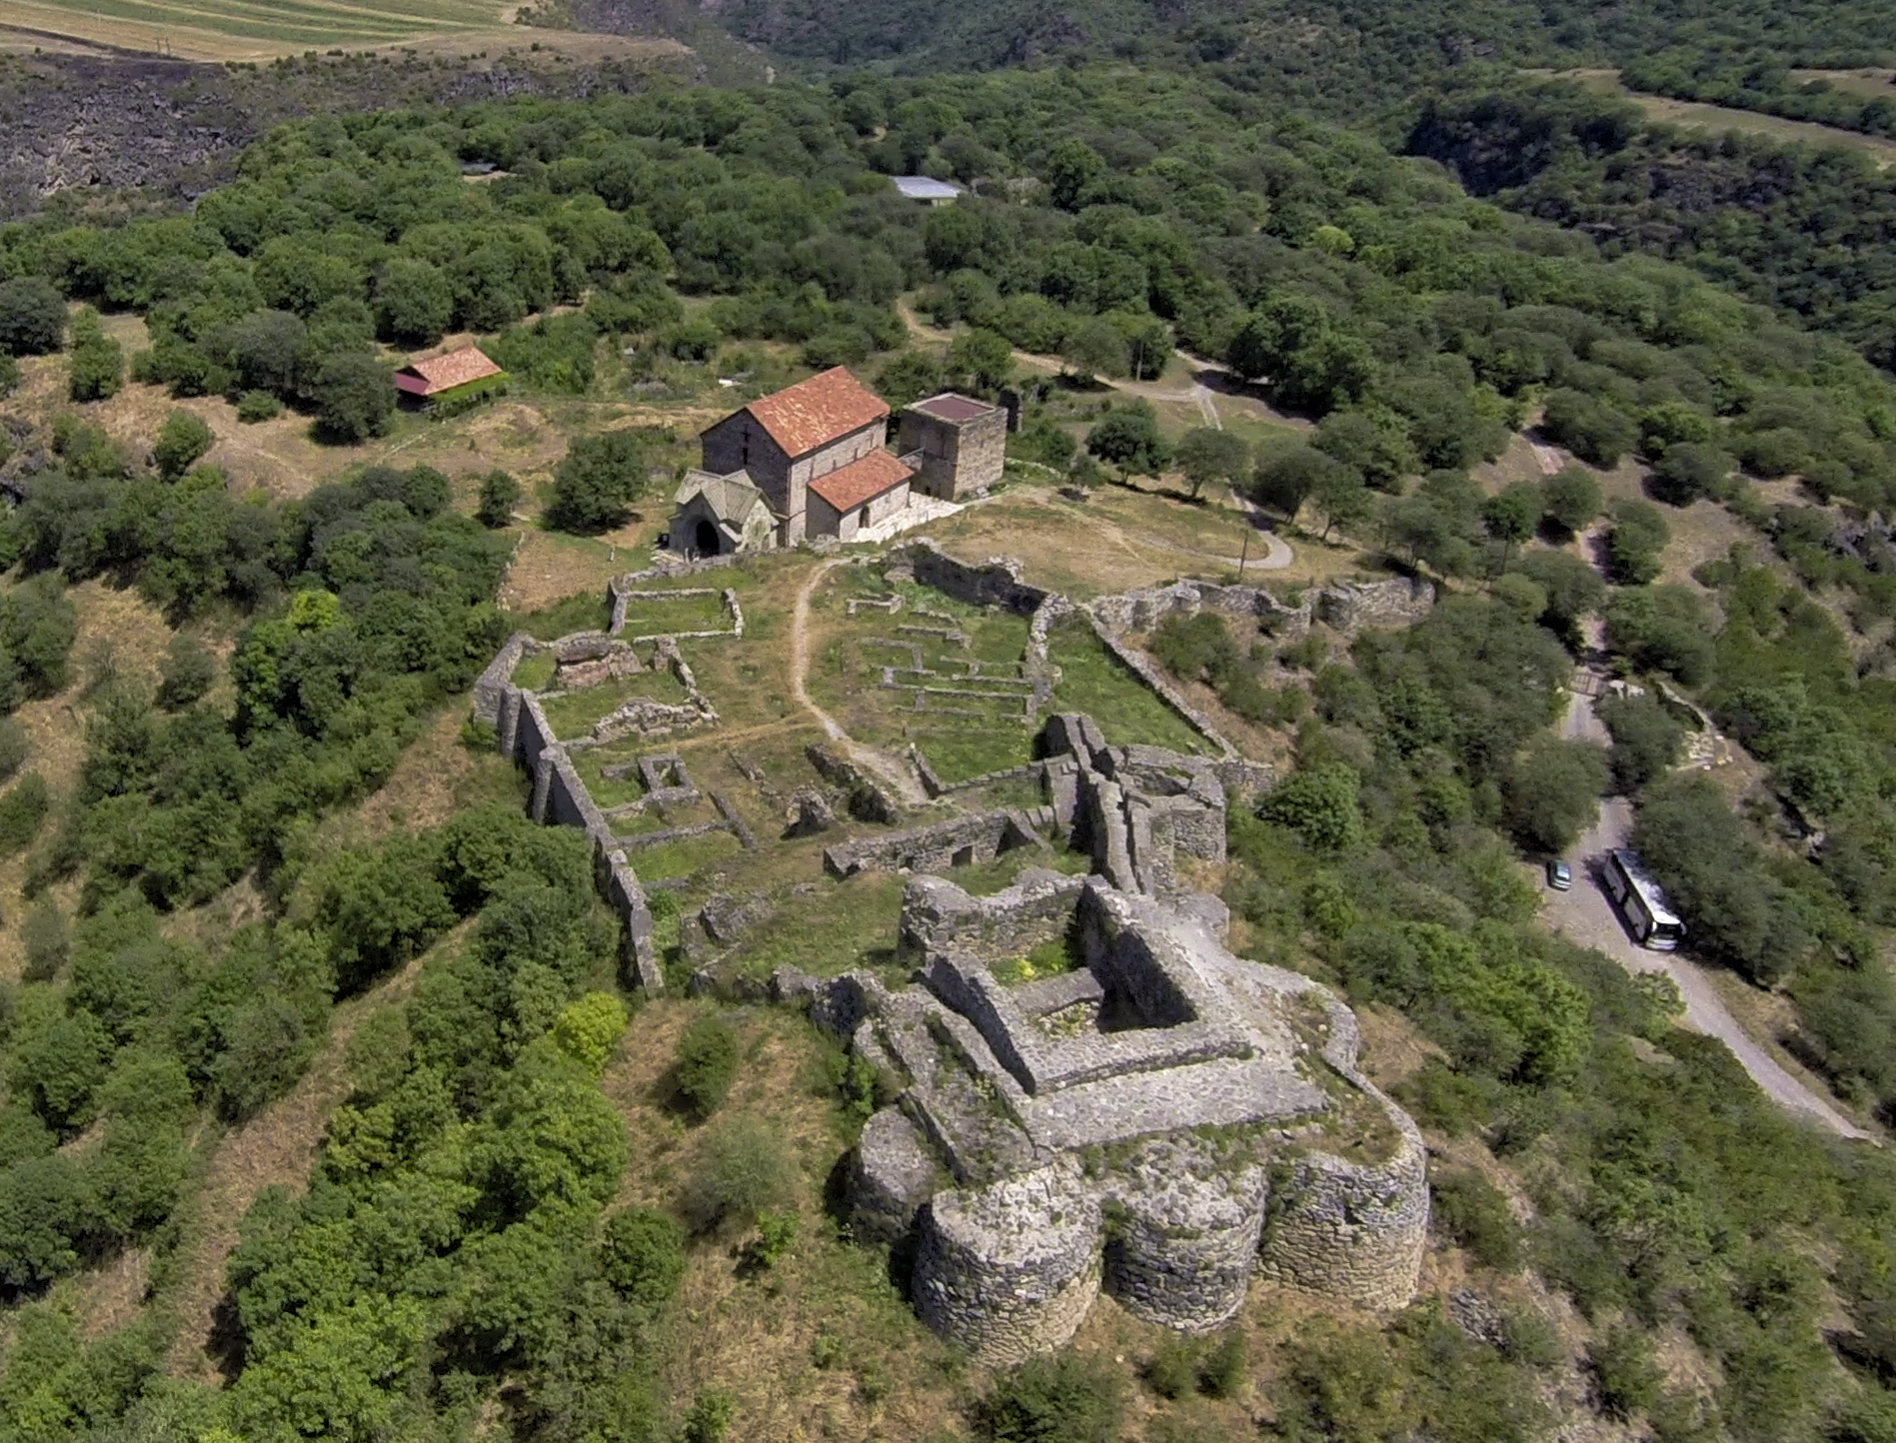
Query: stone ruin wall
[
  {"x": 1344, "y": 606},
  {"x": 1344, "y": 1229},
  {"x": 1169, "y": 1225}
]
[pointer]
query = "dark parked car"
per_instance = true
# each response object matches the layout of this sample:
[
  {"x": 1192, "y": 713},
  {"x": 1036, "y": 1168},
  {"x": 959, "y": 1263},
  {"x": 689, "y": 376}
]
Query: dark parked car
[{"x": 1559, "y": 875}]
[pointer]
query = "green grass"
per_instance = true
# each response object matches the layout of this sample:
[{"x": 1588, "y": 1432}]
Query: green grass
[
  {"x": 1093, "y": 680},
  {"x": 972, "y": 751},
  {"x": 673, "y": 615},
  {"x": 573, "y": 714},
  {"x": 588, "y": 612},
  {"x": 848, "y": 925},
  {"x": 683, "y": 859},
  {"x": 535, "y": 673}
]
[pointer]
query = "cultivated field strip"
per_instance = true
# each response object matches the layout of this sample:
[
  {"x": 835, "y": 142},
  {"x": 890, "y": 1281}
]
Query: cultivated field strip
[{"x": 287, "y": 23}]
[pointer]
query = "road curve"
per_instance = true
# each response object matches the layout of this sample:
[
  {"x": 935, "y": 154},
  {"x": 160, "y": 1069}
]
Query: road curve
[{"x": 1586, "y": 916}]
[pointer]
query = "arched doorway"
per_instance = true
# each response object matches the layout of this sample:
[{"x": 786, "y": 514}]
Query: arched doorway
[{"x": 705, "y": 538}]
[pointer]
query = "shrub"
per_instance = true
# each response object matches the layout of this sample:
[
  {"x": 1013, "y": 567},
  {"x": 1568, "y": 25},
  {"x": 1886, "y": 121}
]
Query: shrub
[
  {"x": 1472, "y": 1212},
  {"x": 1628, "y": 1377},
  {"x": 182, "y": 442},
  {"x": 255, "y": 406},
  {"x": 1528, "y": 1336},
  {"x": 499, "y": 494},
  {"x": 710, "y": 1417},
  {"x": 643, "y": 1257},
  {"x": 1638, "y": 535},
  {"x": 32, "y": 317},
  {"x": 1223, "y": 1370},
  {"x": 705, "y": 1065},
  {"x": 595, "y": 481},
  {"x": 98, "y": 361},
  {"x": 23, "y": 810},
  {"x": 1173, "y": 1371},
  {"x": 743, "y": 1170},
  {"x": 1646, "y": 739},
  {"x": 13, "y": 747},
  {"x": 189, "y": 670},
  {"x": 47, "y": 939},
  {"x": 354, "y": 395},
  {"x": 1062, "y": 1398}
]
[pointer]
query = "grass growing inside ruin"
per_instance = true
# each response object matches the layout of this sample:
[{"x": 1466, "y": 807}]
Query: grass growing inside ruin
[
  {"x": 684, "y": 858},
  {"x": 1051, "y": 958},
  {"x": 535, "y": 673},
  {"x": 655, "y": 614},
  {"x": 639, "y": 824},
  {"x": 572, "y": 714},
  {"x": 588, "y": 612},
  {"x": 1092, "y": 680},
  {"x": 841, "y": 926}
]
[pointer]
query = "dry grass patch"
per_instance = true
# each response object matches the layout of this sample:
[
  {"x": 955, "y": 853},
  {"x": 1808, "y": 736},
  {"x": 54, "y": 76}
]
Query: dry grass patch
[
  {"x": 276, "y": 1148},
  {"x": 108, "y": 1299},
  {"x": 752, "y": 1333},
  {"x": 1696, "y": 116},
  {"x": 549, "y": 566}
]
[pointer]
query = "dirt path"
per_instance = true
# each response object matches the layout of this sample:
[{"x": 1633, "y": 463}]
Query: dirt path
[
  {"x": 870, "y": 758},
  {"x": 1586, "y": 916}
]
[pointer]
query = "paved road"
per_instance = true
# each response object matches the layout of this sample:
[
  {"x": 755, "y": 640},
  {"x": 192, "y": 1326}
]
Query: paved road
[{"x": 1586, "y": 916}]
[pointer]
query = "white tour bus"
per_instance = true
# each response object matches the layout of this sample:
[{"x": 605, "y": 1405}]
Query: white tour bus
[{"x": 1641, "y": 902}]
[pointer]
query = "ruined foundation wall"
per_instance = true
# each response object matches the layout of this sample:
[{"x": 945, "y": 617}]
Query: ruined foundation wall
[
  {"x": 995, "y": 583},
  {"x": 937, "y": 916}
]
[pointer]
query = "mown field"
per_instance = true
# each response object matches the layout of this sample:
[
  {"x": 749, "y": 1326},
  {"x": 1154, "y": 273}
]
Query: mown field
[
  {"x": 1699, "y": 116},
  {"x": 248, "y": 29}
]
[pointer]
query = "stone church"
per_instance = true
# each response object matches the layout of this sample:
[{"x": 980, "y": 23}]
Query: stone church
[{"x": 813, "y": 460}]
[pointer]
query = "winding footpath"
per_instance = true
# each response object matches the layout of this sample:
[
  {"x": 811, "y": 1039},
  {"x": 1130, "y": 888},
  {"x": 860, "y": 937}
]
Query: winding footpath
[{"x": 867, "y": 757}]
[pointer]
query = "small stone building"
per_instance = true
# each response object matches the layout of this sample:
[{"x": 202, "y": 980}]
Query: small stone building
[
  {"x": 814, "y": 455},
  {"x": 718, "y": 515},
  {"x": 962, "y": 441}
]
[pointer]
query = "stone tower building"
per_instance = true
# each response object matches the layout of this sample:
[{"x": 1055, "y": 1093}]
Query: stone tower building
[{"x": 962, "y": 441}]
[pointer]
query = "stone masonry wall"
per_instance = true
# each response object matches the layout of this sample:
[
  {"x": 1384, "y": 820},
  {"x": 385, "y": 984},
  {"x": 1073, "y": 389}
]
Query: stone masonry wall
[
  {"x": 995, "y": 583},
  {"x": 1010, "y": 1270},
  {"x": 1348, "y": 1230},
  {"x": 937, "y": 916},
  {"x": 1345, "y": 606}
]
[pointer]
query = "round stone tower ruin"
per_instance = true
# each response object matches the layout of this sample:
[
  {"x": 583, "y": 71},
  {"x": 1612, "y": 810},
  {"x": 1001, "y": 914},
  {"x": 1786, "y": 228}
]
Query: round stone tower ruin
[{"x": 1161, "y": 1120}]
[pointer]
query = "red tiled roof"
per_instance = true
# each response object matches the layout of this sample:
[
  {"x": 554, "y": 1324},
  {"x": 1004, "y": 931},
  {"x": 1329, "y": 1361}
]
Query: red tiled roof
[
  {"x": 950, "y": 407},
  {"x": 457, "y": 368},
  {"x": 815, "y": 412},
  {"x": 847, "y": 487}
]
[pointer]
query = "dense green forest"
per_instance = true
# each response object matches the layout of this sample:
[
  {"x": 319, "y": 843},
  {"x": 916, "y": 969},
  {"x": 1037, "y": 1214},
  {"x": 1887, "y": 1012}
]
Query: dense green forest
[
  {"x": 1334, "y": 59},
  {"x": 1758, "y": 80},
  {"x": 451, "y": 1271},
  {"x": 1807, "y": 231}
]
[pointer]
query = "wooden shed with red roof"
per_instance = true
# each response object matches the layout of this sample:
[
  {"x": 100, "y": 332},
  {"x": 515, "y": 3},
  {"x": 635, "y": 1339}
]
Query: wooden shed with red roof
[{"x": 436, "y": 378}]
